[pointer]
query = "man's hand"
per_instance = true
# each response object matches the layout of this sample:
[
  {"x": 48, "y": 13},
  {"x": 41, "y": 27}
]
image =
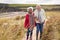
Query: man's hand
[
  {"x": 37, "y": 20},
  {"x": 45, "y": 22}
]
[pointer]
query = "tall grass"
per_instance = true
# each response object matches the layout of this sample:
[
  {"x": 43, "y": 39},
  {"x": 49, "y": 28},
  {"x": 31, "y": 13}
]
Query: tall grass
[
  {"x": 52, "y": 27},
  {"x": 11, "y": 28}
]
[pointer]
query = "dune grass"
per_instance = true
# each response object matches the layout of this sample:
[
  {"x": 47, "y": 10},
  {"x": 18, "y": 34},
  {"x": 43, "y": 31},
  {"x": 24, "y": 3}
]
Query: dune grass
[
  {"x": 52, "y": 27},
  {"x": 13, "y": 28}
]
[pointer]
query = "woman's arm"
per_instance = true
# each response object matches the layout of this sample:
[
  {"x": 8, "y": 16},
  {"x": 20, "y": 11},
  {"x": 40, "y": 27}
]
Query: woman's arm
[{"x": 26, "y": 21}]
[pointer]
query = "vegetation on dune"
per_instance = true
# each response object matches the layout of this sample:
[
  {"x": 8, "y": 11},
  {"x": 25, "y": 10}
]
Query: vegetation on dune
[
  {"x": 52, "y": 27},
  {"x": 21, "y": 5},
  {"x": 12, "y": 28}
]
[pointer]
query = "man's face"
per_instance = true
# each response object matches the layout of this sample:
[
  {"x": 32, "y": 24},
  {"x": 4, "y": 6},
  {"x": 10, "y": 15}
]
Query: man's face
[
  {"x": 38, "y": 7},
  {"x": 30, "y": 10}
]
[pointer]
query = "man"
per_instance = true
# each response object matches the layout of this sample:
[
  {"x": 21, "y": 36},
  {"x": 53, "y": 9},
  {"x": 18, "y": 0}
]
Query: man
[
  {"x": 29, "y": 22},
  {"x": 39, "y": 14}
]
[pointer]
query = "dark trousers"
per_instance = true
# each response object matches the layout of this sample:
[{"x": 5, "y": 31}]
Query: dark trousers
[
  {"x": 39, "y": 29},
  {"x": 29, "y": 33}
]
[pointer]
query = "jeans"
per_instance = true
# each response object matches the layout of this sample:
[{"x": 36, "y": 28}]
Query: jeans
[
  {"x": 39, "y": 29},
  {"x": 29, "y": 32}
]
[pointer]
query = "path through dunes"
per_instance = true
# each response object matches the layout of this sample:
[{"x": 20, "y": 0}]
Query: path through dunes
[{"x": 33, "y": 37}]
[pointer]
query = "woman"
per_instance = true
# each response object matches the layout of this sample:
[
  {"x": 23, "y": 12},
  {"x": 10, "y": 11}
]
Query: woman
[{"x": 29, "y": 22}]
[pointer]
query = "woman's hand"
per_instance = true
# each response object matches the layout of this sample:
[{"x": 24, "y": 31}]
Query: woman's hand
[{"x": 31, "y": 27}]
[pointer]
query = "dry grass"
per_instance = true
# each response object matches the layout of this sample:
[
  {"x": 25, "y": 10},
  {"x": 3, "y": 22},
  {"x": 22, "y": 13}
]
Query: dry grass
[
  {"x": 12, "y": 28},
  {"x": 52, "y": 27}
]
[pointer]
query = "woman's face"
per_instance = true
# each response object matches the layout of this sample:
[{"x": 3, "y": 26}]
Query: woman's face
[{"x": 30, "y": 10}]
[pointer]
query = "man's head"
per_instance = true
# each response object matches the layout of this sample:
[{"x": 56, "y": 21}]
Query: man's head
[
  {"x": 30, "y": 9},
  {"x": 38, "y": 7}
]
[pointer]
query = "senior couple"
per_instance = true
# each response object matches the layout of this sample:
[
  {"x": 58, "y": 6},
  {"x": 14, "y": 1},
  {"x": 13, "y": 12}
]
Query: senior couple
[{"x": 32, "y": 19}]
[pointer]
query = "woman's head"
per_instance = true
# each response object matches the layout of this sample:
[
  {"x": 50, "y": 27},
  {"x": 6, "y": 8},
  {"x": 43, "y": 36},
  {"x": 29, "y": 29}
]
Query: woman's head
[{"x": 30, "y": 9}]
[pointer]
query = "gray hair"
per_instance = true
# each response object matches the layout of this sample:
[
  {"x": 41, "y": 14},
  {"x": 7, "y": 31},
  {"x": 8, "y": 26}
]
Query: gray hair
[
  {"x": 29, "y": 8},
  {"x": 38, "y": 5}
]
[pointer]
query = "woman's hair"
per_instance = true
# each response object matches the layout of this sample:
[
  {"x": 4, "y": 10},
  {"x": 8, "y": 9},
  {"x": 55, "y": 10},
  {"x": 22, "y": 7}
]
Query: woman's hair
[{"x": 29, "y": 8}]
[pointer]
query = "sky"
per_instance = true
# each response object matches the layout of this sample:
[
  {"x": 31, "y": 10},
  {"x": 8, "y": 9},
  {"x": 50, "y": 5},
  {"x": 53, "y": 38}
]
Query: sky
[{"x": 30, "y": 1}]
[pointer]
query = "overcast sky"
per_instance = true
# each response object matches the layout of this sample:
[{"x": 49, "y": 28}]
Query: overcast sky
[{"x": 30, "y": 1}]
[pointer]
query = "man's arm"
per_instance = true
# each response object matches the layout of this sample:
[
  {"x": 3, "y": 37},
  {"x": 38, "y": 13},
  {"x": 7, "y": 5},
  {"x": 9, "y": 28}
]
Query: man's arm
[{"x": 44, "y": 16}]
